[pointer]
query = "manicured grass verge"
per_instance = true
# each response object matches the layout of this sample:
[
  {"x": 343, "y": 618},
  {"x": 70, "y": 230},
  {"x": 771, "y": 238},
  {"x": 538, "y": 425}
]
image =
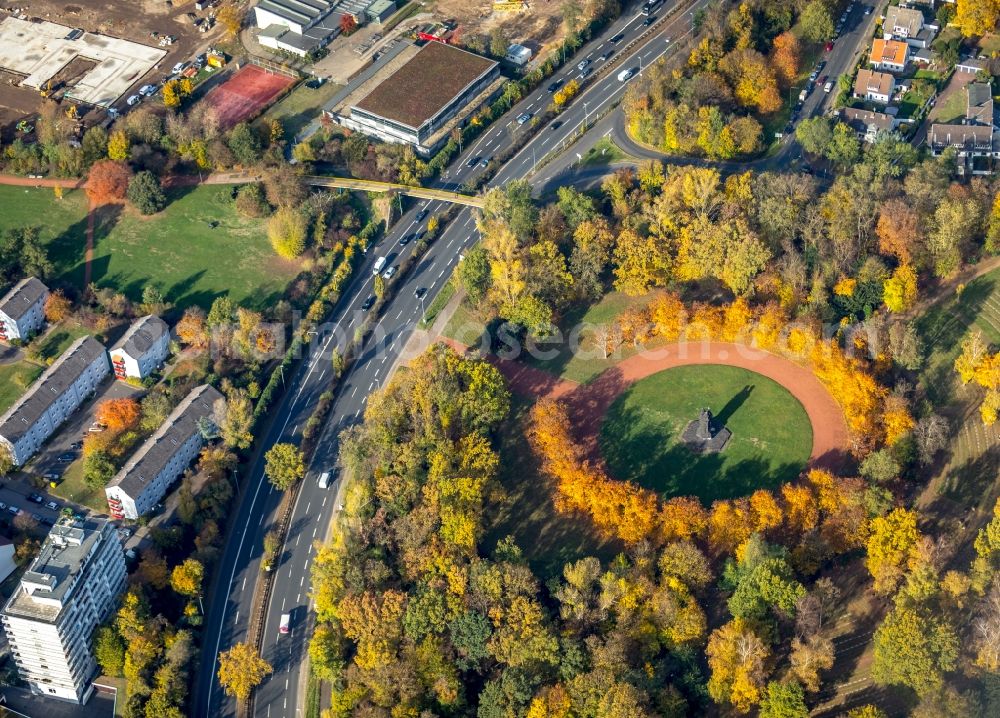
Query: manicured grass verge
[
  {"x": 73, "y": 489},
  {"x": 14, "y": 380},
  {"x": 548, "y": 538},
  {"x": 604, "y": 153},
  {"x": 771, "y": 441},
  {"x": 197, "y": 249},
  {"x": 438, "y": 304},
  {"x": 58, "y": 340}
]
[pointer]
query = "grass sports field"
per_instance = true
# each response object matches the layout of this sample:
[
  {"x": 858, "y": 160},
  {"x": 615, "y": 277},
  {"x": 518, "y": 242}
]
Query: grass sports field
[
  {"x": 197, "y": 249},
  {"x": 771, "y": 441}
]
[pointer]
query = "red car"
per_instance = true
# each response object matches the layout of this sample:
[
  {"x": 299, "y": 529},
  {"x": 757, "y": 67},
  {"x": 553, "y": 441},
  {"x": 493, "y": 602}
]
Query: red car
[{"x": 829, "y": 46}]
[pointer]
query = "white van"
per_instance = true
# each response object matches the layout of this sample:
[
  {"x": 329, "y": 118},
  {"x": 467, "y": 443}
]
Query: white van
[
  {"x": 324, "y": 480},
  {"x": 379, "y": 265},
  {"x": 828, "y": 86},
  {"x": 286, "y": 620},
  {"x": 625, "y": 75}
]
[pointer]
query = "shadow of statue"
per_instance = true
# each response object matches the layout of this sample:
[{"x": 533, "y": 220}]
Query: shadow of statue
[{"x": 732, "y": 406}]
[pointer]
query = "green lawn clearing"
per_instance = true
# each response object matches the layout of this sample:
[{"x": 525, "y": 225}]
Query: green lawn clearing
[
  {"x": 300, "y": 106},
  {"x": 771, "y": 434},
  {"x": 57, "y": 341},
  {"x": 62, "y": 223},
  {"x": 952, "y": 109},
  {"x": 197, "y": 249},
  {"x": 576, "y": 354},
  {"x": 72, "y": 488},
  {"x": 14, "y": 380}
]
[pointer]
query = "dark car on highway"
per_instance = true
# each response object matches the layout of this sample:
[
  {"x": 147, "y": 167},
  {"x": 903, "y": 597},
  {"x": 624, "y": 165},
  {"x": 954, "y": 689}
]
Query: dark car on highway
[
  {"x": 554, "y": 86},
  {"x": 421, "y": 214},
  {"x": 473, "y": 161},
  {"x": 368, "y": 303}
]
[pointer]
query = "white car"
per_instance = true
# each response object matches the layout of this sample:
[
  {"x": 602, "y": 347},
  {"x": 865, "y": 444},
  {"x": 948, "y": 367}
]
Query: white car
[
  {"x": 286, "y": 620},
  {"x": 179, "y": 68},
  {"x": 147, "y": 90},
  {"x": 133, "y": 100},
  {"x": 389, "y": 273}
]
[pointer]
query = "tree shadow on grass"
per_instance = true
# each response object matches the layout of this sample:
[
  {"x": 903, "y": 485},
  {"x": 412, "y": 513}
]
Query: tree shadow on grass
[
  {"x": 527, "y": 511},
  {"x": 655, "y": 458},
  {"x": 68, "y": 252}
]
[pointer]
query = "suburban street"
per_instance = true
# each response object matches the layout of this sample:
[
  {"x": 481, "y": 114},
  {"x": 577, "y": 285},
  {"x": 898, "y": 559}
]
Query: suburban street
[{"x": 229, "y": 613}]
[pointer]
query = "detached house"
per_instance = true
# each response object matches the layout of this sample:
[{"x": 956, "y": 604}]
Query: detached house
[
  {"x": 907, "y": 25},
  {"x": 889, "y": 55},
  {"x": 145, "y": 478},
  {"x": 867, "y": 124},
  {"x": 874, "y": 86},
  {"x": 142, "y": 350},
  {"x": 901, "y": 23},
  {"x": 22, "y": 310}
]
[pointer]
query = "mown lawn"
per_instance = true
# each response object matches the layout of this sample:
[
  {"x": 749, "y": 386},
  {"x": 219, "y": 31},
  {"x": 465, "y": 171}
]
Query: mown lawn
[
  {"x": 197, "y": 249},
  {"x": 576, "y": 354},
  {"x": 72, "y": 488},
  {"x": 14, "y": 380},
  {"x": 62, "y": 223},
  {"x": 771, "y": 434},
  {"x": 58, "y": 340}
]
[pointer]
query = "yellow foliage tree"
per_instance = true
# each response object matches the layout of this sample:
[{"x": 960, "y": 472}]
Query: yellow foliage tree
[
  {"x": 737, "y": 658},
  {"x": 900, "y": 290},
  {"x": 241, "y": 670},
  {"x": 118, "y": 146},
  {"x": 892, "y": 548}
]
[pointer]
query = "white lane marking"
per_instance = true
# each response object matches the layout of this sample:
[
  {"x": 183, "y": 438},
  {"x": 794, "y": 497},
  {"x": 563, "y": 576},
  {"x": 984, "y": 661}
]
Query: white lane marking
[
  {"x": 322, "y": 373},
  {"x": 354, "y": 391},
  {"x": 307, "y": 506},
  {"x": 237, "y": 615},
  {"x": 244, "y": 587},
  {"x": 324, "y": 500},
  {"x": 314, "y": 532},
  {"x": 296, "y": 429}
]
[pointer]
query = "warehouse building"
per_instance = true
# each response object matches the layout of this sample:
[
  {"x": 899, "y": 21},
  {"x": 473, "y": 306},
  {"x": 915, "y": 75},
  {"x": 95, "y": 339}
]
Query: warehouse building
[
  {"x": 22, "y": 310},
  {"x": 145, "y": 478},
  {"x": 435, "y": 89},
  {"x": 49, "y": 402},
  {"x": 300, "y": 26},
  {"x": 69, "y": 589}
]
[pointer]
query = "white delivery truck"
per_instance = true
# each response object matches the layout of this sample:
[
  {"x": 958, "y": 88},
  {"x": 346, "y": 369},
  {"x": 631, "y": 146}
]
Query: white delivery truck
[
  {"x": 624, "y": 75},
  {"x": 379, "y": 265},
  {"x": 324, "y": 480}
]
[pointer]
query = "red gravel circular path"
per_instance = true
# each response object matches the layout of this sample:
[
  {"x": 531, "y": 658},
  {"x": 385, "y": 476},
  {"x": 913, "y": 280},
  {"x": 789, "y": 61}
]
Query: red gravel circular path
[{"x": 589, "y": 403}]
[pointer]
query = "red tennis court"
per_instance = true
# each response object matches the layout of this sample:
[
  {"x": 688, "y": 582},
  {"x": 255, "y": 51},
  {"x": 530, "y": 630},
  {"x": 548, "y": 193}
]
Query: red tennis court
[{"x": 246, "y": 93}]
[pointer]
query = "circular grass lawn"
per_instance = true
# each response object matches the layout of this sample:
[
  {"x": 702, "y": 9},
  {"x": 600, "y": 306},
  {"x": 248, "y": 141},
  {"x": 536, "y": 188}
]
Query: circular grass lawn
[{"x": 771, "y": 441}]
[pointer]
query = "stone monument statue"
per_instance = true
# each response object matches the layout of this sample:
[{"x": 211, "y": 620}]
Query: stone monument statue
[{"x": 704, "y": 436}]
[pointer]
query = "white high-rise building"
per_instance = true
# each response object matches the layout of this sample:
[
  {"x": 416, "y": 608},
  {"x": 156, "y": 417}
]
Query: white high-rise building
[{"x": 69, "y": 589}]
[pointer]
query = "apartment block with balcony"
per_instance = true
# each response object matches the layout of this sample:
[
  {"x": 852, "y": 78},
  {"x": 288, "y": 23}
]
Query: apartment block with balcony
[
  {"x": 68, "y": 590},
  {"x": 22, "y": 310},
  {"x": 142, "y": 349},
  {"x": 53, "y": 397},
  {"x": 147, "y": 475}
]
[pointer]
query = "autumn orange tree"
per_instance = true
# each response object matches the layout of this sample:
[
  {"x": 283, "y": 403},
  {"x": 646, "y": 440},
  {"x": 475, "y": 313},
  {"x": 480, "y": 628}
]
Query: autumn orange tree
[
  {"x": 107, "y": 182},
  {"x": 57, "y": 306},
  {"x": 118, "y": 414}
]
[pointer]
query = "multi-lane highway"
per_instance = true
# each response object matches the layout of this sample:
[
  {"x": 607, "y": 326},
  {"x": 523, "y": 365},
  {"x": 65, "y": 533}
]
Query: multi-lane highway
[{"x": 229, "y": 613}]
